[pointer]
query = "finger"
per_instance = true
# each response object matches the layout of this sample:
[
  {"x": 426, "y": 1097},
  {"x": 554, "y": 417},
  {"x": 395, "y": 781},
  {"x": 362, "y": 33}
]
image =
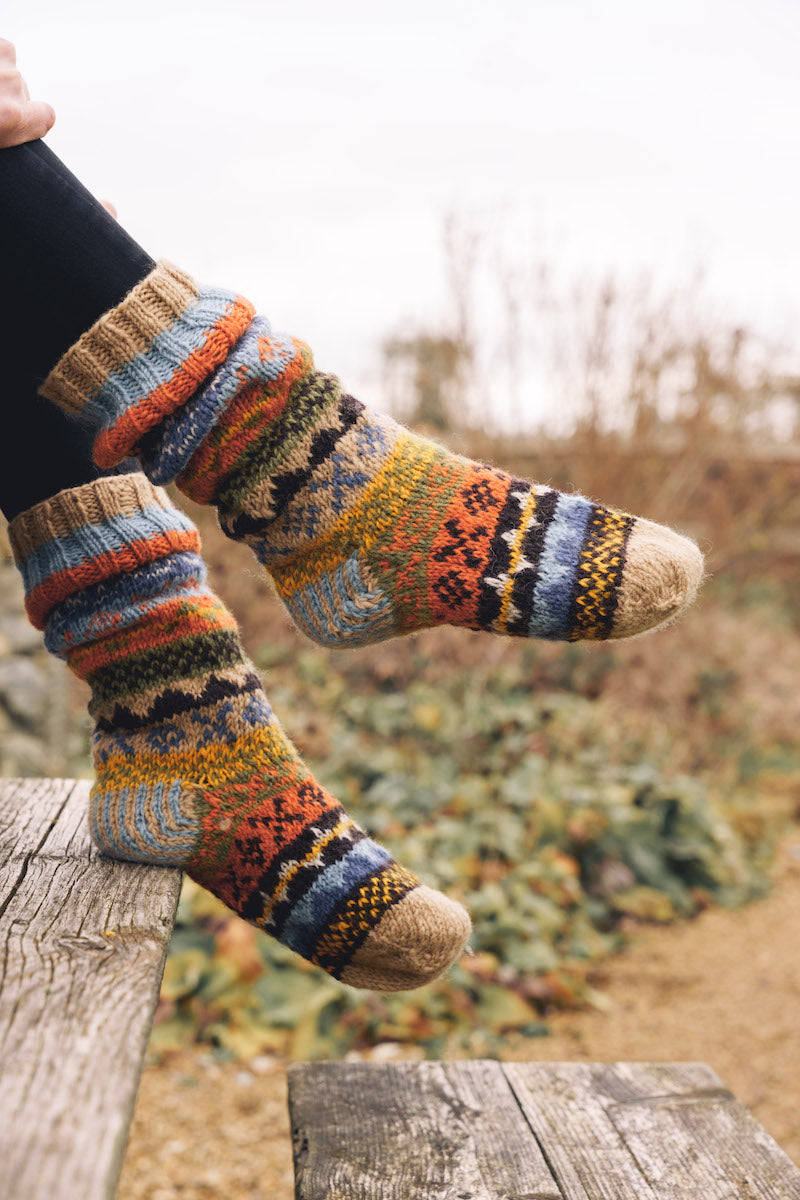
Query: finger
[
  {"x": 8, "y": 53},
  {"x": 110, "y": 208},
  {"x": 36, "y": 118}
]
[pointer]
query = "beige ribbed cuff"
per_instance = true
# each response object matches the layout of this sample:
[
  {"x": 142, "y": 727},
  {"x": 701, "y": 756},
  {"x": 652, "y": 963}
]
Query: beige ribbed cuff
[
  {"x": 89, "y": 504},
  {"x": 121, "y": 333}
]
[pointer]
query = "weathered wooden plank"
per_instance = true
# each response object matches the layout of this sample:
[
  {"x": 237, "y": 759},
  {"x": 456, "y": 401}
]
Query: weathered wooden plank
[
  {"x": 28, "y": 810},
  {"x": 82, "y": 946},
  {"x": 692, "y": 1110},
  {"x": 635, "y": 1131},
  {"x": 412, "y": 1131}
]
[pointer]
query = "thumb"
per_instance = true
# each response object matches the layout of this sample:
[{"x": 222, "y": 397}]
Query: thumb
[{"x": 36, "y": 118}]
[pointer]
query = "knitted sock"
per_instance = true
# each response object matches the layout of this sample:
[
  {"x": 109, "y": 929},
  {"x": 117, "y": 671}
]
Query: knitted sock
[
  {"x": 192, "y": 768},
  {"x": 367, "y": 530}
]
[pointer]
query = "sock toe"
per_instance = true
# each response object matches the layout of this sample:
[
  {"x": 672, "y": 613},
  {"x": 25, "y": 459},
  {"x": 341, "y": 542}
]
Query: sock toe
[
  {"x": 663, "y": 571},
  {"x": 414, "y": 943}
]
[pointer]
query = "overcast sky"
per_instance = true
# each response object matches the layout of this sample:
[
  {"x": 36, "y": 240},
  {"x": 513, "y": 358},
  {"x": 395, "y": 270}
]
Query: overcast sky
[{"x": 306, "y": 152}]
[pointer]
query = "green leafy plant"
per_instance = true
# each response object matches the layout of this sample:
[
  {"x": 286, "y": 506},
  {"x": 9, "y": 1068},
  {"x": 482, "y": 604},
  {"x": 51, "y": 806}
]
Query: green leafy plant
[{"x": 506, "y": 799}]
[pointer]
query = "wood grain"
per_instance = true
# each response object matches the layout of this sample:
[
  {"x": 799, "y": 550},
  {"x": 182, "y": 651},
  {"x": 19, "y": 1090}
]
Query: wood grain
[
  {"x": 412, "y": 1131},
  {"x": 636, "y": 1130},
  {"x": 82, "y": 947},
  {"x": 578, "y": 1131}
]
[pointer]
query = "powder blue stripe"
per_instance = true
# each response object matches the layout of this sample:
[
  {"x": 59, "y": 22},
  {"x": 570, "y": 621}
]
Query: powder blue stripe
[
  {"x": 348, "y": 580},
  {"x": 334, "y": 885},
  {"x": 99, "y": 808},
  {"x": 337, "y": 588},
  {"x": 321, "y": 595},
  {"x": 183, "y": 431},
  {"x": 359, "y": 617},
  {"x": 118, "y": 603},
  {"x": 313, "y": 624},
  {"x": 308, "y": 604},
  {"x": 165, "y": 845},
  {"x": 89, "y": 541},
  {"x": 559, "y": 559},
  {"x": 158, "y": 362},
  {"x": 177, "y": 817},
  {"x": 307, "y": 612}
]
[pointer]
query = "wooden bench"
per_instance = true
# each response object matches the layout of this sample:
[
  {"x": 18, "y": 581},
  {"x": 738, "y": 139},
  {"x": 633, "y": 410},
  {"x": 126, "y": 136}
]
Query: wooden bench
[
  {"x": 82, "y": 947},
  {"x": 528, "y": 1131}
]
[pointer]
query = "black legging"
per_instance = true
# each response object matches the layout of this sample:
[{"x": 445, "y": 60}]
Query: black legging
[{"x": 64, "y": 261}]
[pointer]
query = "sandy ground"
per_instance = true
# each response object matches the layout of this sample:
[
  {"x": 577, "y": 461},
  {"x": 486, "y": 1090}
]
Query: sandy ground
[{"x": 723, "y": 989}]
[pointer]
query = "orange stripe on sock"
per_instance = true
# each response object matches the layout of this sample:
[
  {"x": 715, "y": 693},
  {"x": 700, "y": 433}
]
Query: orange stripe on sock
[
  {"x": 250, "y": 414},
  {"x": 460, "y": 552},
  {"x": 113, "y": 445},
  {"x": 232, "y": 813},
  {"x": 62, "y": 584},
  {"x": 170, "y": 623}
]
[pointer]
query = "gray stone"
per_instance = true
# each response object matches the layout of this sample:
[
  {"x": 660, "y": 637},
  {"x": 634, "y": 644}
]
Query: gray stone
[
  {"x": 19, "y": 635},
  {"x": 23, "y": 689},
  {"x": 23, "y": 755}
]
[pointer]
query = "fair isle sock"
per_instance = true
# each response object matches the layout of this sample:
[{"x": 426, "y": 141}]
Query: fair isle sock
[
  {"x": 367, "y": 530},
  {"x": 192, "y": 768}
]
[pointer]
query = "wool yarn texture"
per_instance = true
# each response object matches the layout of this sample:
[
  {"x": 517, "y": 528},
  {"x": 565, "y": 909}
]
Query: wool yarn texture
[
  {"x": 192, "y": 767},
  {"x": 368, "y": 530}
]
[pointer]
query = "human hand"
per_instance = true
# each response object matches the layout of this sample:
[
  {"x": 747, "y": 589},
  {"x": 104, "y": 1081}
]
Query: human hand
[{"x": 21, "y": 119}]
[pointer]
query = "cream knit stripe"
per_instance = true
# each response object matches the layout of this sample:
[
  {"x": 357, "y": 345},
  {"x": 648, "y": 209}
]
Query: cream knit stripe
[
  {"x": 90, "y": 504},
  {"x": 121, "y": 333}
]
